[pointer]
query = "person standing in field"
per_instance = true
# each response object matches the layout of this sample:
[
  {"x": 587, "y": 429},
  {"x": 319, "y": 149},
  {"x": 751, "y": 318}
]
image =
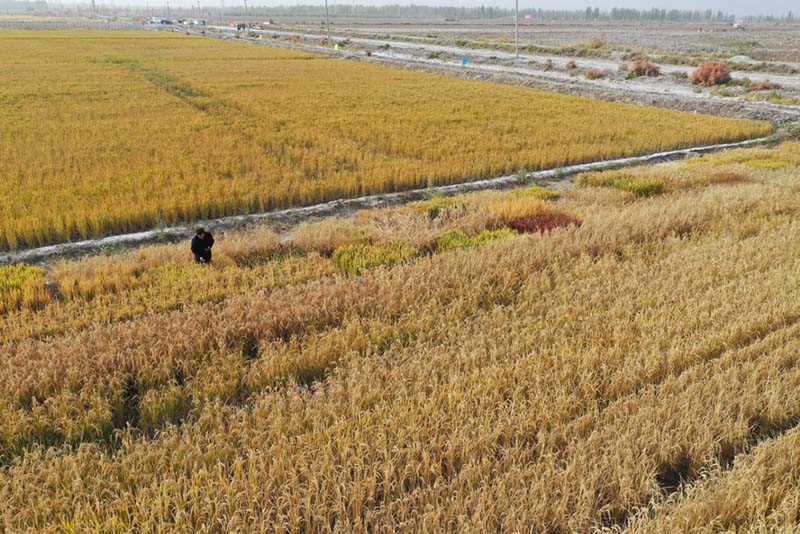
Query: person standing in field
[{"x": 201, "y": 246}]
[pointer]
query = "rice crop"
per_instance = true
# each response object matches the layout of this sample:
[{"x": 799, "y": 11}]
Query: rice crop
[
  {"x": 637, "y": 372},
  {"x": 602, "y": 359},
  {"x": 22, "y": 286},
  {"x": 110, "y": 132}
]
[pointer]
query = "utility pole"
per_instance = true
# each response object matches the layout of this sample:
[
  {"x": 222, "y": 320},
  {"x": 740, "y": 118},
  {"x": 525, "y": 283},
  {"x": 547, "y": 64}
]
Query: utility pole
[
  {"x": 327, "y": 22},
  {"x": 516, "y": 28},
  {"x": 94, "y": 7},
  {"x": 245, "y": 7}
]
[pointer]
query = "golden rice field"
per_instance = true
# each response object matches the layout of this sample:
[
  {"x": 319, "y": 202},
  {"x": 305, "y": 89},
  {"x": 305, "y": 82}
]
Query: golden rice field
[
  {"x": 620, "y": 357},
  {"x": 109, "y": 132}
]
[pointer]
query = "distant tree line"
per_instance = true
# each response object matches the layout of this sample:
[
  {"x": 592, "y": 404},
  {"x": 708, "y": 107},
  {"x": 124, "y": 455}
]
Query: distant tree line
[
  {"x": 413, "y": 11},
  {"x": 655, "y": 14},
  {"x": 410, "y": 11}
]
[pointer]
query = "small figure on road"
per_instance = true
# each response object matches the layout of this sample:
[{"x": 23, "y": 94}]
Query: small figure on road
[{"x": 201, "y": 246}]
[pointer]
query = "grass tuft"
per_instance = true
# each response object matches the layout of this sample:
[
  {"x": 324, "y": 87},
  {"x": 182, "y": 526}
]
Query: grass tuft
[
  {"x": 593, "y": 74},
  {"x": 354, "y": 259},
  {"x": 637, "y": 69},
  {"x": 537, "y": 192},
  {"x": 457, "y": 239},
  {"x": 436, "y": 206},
  {"x": 641, "y": 187}
]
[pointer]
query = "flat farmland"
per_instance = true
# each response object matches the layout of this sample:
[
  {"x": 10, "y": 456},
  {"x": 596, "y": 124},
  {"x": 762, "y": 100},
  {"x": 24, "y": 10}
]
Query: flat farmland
[
  {"x": 622, "y": 356},
  {"x": 109, "y": 132}
]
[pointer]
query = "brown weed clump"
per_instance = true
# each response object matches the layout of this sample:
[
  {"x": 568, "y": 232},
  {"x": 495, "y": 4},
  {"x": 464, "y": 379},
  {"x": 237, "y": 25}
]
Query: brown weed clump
[
  {"x": 637, "y": 69},
  {"x": 711, "y": 73},
  {"x": 594, "y": 74}
]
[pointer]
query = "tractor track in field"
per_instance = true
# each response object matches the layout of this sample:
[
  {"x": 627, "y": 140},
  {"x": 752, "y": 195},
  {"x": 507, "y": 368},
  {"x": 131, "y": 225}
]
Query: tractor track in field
[{"x": 559, "y": 178}]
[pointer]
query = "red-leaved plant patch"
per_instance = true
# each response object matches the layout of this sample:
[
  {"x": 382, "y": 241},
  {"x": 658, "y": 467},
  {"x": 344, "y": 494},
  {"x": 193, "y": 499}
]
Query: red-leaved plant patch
[{"x": 543, "y": 223}]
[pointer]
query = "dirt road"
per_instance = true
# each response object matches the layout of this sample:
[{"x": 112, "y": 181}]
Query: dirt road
[
  {"x": 414, "y": 48},
  {"x": 664, "y": 90}
]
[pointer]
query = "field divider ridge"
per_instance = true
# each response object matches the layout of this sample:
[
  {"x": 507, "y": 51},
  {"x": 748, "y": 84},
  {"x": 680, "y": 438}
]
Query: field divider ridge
[{"x": 350, "y": 205}]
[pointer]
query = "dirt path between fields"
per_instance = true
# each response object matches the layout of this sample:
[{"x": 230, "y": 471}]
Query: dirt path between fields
[
  {"x": 482, "y": 53},
  {"x": 553, "y": 179},
  {"x": 503, "y": 67}
]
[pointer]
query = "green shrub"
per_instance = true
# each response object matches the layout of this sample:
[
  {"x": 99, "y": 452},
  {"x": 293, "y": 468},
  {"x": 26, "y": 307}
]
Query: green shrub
[
  {"x": 537, "y": 192},
  {"x": 453, "y": 240},
  {"x": 457, "y": 239},
  {"x": 641, "y": 187},
  {"x": 353, "y": 259}
]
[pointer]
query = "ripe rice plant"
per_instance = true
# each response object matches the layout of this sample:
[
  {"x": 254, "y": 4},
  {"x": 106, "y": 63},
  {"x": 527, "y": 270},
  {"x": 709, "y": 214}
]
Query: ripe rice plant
[
  {"x": 636, "y": 369},
  {"x": 549, "y": 382},
  {"x": 508, "y": 210},
  {"x": 22, "y": 286},
  {"x": 434, "y": 207},
  {"x": 543, "y": 223},
  {"x": 111, "y": 132}
]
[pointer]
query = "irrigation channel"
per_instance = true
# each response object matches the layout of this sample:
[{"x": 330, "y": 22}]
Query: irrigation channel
[{"x": 553, "y": 178}]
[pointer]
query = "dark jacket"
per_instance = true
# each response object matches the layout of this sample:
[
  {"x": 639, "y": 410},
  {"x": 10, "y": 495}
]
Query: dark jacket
[{"x": 201, "y": 245}]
